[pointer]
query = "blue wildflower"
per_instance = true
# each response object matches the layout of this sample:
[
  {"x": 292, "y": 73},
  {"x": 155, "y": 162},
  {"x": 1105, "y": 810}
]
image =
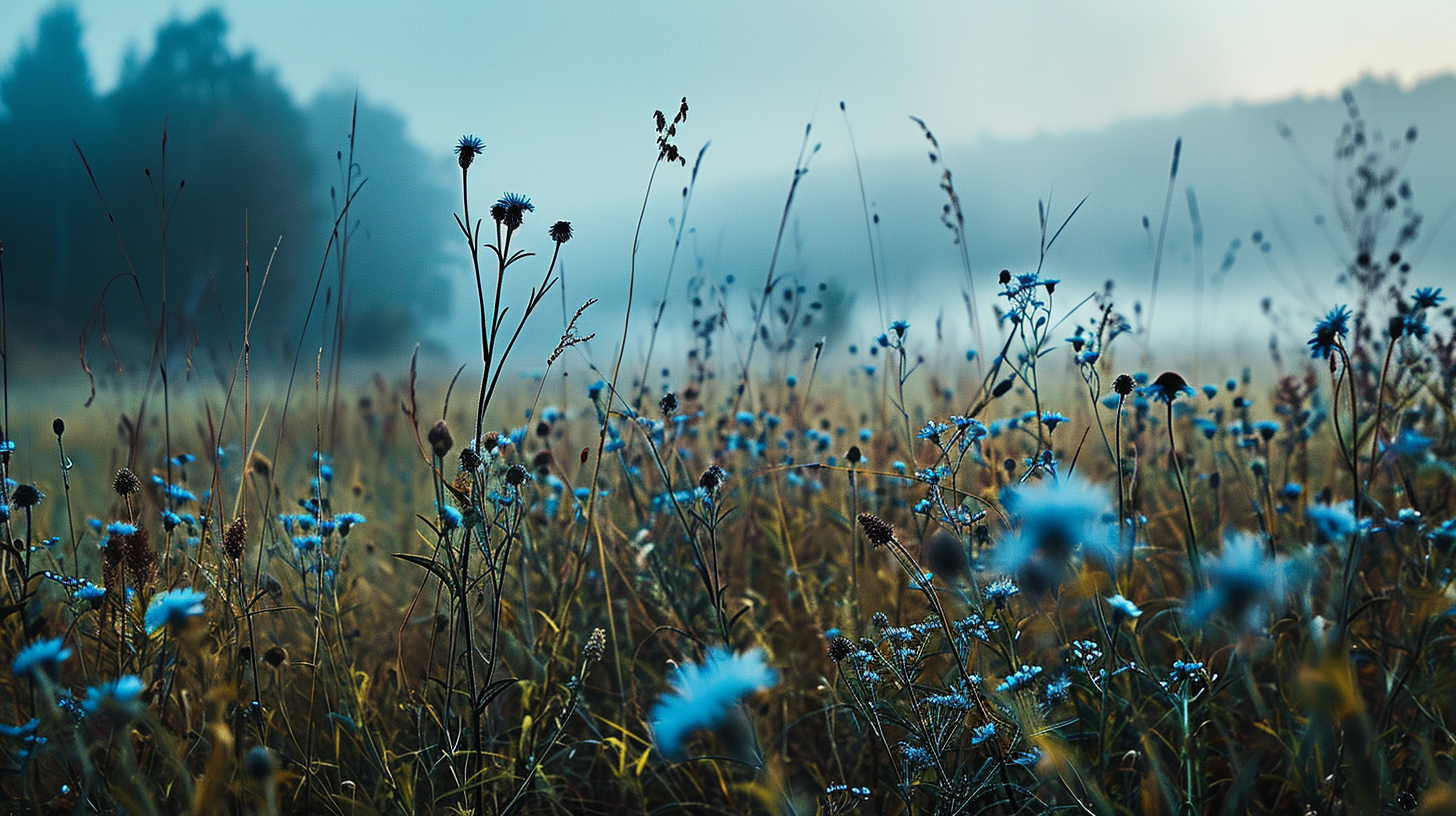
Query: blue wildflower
[
  {"x": 120, "y": 697},
  {"x": 1242, "y": 582},
  {"x": 173, "y": 608},
  {"x": 120, "y": 528},
  {"x": 1051, "y": 419},
  {"x": 1020, "y": 680},
  {"x": 1002, "y": 590},
  {"x": 1428, "y": 298},
  {"x": 1059, "y": 520},
  {"x": 42, "y": 656},
  {"x": 1122, "y": 607},
  {"x": 1332, "y": 522},
  {"x": 1334, "y": 326},
  {"x": 702, "y": 696}
]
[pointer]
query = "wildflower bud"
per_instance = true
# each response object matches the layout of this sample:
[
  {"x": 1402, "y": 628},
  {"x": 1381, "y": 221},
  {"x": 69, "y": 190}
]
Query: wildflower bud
[
  {"x": 440, "y": 439},
  {"x": 1123, "y": 385},
  {"x": 469, "y": 459},
  {"x": 543, "y": 429},
  {"x": 490, "y": 442},
  {"x": 561, "y": 232},
  {"x": 596, "y": 645},
  {"x": 126, "y": 482},
  {"x": 516, "y": 475},
  {"x": 466, "y": 150},
  {"x": 668, "y": 403},
  {"x": 1005, "y": 276},
  {"x": 840, "y": 648},
  {"x": 59, "y": 426},
  {"x": 26, "y": 496},
  {"x": 235, "y": 538},
  {"x": 275, "y": 656},
  {"x": 542, "y": 461},
  {"x": 876, "y": 529},
  {"x": 1397, "y": 327},
  {"x": 712, "y": 478},
  {"x": 945, "y": 555},
  {"x": 854, "y": 456},
  {"x": 260, "y": 764},
  {"x": 880, "y": 620}
]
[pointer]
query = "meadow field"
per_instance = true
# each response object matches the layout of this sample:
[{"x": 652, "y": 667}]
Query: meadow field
[{"x": 731, "y": 576}]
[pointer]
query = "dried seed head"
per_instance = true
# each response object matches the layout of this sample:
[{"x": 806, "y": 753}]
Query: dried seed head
[
  {"x": 469, "y": 459},
  {"x": 596, "y": 645},
  {"x": 126, "y": 482},
  {"x": 516, "y": 475},
  {"x": 876, "y": 529},
  {"x": 234, "y": 538},
  {"x": 840, "y": 648},
  {"x": 141, "y": 560},
  {"x": 440, "y": 440},
  {"x": 1123, "y": 385},
  {"x": 561, "y": 232}
]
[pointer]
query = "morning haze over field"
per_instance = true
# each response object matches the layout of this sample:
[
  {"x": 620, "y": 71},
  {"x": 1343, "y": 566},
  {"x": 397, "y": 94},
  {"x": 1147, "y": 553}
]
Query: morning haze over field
[
  {"x": 256, "y": 123},
  {"x": 816, "y": 408}
]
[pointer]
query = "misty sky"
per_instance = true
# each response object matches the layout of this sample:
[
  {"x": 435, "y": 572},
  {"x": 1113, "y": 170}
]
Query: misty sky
[{"x": 562, "y": 92}]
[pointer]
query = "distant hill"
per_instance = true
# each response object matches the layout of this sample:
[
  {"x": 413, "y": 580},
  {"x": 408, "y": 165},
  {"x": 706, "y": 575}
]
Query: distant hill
[{"x": 1245, "y": 176}]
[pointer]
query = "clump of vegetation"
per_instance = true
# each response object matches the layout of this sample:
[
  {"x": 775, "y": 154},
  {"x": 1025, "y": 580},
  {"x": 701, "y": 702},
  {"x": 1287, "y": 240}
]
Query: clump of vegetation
[{"x": 1044, "y": 580}]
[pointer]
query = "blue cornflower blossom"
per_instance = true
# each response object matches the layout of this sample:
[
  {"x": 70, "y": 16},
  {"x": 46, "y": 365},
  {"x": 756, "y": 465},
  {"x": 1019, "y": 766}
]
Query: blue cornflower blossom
[
  {"x": 1002, "y": 590},
  {"x": 121, "y": 696},
  {"x": 42, "y": 656},
  {"x": 1167, "y": 387},
  {"x": 1123, "y": 607},
  {"x": 899, "y": 327},
  {"x": 1242, "y": 582},
  {"x": 1333, "y": 522},
  {"x": 702, "y": 696},
  {"x": 932, "y": 430},
  {"x": 450, "y": 517},
  {"x": 90, "y": 593},
  {"x": 1428, "y": 298},
  {"x": 120, "y": 528},
  {"x": 1059, "y": 520},
  {"x": 174, "y": 608},
  {"x": 1327, "y": 332},
  {"x": 1051, "y": 419}
]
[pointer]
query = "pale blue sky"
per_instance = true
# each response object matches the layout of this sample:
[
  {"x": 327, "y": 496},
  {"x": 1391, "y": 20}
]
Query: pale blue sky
[{"x": 562, "y": 92}]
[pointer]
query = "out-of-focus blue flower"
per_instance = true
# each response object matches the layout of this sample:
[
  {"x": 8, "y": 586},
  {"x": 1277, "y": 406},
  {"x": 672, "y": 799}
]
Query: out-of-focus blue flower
[
  {"x": 1333, "y": 523},
  {"x": 90, "y": 593},
  {"x": 702, "y": 696},
  {"x": 1059, "y": 521},
  {"x": 120, "y": 528},
  {"x": 1123, "y": 607},
  {"x": 1428, "y": 298},
  {"x": 120, "y": 697},
  {"x": 41, "y": 656},
  {"x": 1334, "y": 326},
  {"x": 450, "y": 517},
  {"x": 1243, "y": 582},
  {"x": 174, "y": 608}
]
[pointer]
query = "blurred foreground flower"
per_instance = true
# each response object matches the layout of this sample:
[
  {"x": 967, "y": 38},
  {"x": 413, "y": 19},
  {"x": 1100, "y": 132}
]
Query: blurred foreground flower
[
  {"x": 41, "y": 656},
  {"x": 704, "y": 696},
  {"x": 1059, "y": 521},
  {"x": 1244, "y": 584},
  {"x": 174, "y": 608},
  {"x": 120, "y": 698}
]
